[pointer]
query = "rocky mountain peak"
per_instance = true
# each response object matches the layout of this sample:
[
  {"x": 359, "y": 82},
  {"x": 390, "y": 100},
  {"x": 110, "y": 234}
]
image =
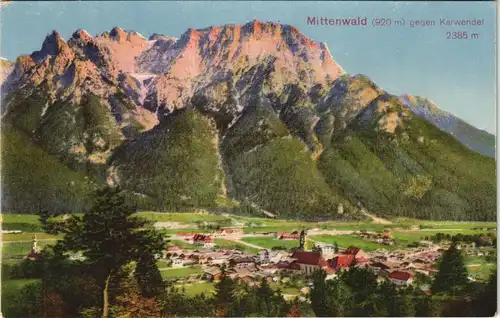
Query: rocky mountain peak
[
  {"x": 81, "y": 34},
  {"x": 266, "y": 111},
  {"x": 53, "y": 45}
]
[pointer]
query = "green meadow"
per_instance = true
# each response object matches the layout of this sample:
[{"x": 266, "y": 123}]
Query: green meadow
[
  {"x": 270, "y": 242},
  {"x": 182, "y": 272},
  {"x": 231, "y": 244}
]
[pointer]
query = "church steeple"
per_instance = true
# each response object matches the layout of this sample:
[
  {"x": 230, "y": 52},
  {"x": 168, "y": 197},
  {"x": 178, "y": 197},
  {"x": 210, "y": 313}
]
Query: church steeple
[
  {"x": 34, "y": 245},
  {"x": 302, "y": 241}
]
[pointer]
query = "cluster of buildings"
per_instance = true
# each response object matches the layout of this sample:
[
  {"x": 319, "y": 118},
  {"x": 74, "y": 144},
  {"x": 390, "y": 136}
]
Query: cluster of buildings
[
  {"x": 381, "y": 238},
  {"x": 398, "y": 267},
  {"x": 288, "y": 235}
]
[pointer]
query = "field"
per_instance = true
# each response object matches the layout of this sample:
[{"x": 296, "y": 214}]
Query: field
[
  {"x": 480, "y": 267},
  {"x": 270, "y": 225},
  {"x": 345, "y": 241},
  {"x": 186, "y": 217},
  {"x": 232, "y": 244},
  {"x": 22, "y": 222},
  {"x": 270, "y": 242},
  {"x": 197, "y": 288},
  {"x": 17, "y": 250},
  {"x": 183, "y": 245},
  {"x": 169, "y": 272},
  {"x": 27, "y": 237},
  {"x": 30, "y": 223}
]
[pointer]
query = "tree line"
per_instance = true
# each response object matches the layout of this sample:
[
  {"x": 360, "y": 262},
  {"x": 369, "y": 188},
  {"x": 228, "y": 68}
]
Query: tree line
[{"x": 483, "y": 239}]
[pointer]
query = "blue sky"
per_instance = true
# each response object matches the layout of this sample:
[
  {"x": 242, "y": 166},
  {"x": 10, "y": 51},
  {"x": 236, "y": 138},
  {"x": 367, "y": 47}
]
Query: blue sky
[{"x": 458, "y": 75}]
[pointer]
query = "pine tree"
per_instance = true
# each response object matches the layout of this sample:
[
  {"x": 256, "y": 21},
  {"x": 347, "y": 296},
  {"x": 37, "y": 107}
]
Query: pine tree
[
  {"x": 225, "y": 296},
  {"x": 319, "y": 294},
  {"x": 336, "y": 247},
  {"x": 265, "y": 294},
  {"x": 108, "y": 235},
  {"x": 485, "y": 304},
  {"x": 149, "y": 277},
  {"x": 404, "y": 306},
  {"x": 427, "y": 307},
  {"x": 452, "y": 274}
]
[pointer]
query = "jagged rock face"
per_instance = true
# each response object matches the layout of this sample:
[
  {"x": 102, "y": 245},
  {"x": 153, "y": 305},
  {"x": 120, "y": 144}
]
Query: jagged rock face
[{"x": 257, "y": 113}]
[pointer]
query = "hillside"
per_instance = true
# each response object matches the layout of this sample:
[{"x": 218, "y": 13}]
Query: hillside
[
  {"x": 475, "y": 139},
  {"x": 255, "y": 115}
]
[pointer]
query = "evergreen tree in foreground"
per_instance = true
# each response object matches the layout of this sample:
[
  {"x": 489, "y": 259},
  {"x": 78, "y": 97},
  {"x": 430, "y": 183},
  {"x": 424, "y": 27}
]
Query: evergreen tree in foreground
[
  {"x": 452, "y": 274},
  {"x": 485, "y": 304},
  {"x": 110, "y": 237},
  {"x": 225, "y": 296}
]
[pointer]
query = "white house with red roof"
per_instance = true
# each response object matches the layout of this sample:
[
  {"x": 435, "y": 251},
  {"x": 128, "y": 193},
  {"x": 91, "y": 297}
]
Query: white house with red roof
[
  {"x": 358, "y": 253},
  {"x": 308, "y": 262},
  {"x": 200, "y": 239},
  {"x": 401, "y": 278},
  {"x": 35, "y": 251},
  {"x": 340, "y": 262},
  {"x": 288, "y": 236}
]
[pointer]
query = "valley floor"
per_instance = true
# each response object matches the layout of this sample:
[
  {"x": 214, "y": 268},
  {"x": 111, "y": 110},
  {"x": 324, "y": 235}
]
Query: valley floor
[{"x": 251, "y": 235}]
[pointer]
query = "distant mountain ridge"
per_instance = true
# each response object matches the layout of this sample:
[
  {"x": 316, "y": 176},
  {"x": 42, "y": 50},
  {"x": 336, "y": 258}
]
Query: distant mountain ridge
[
  {"x": 230, "y": 118},
  {"x": 474, "y": 138}
]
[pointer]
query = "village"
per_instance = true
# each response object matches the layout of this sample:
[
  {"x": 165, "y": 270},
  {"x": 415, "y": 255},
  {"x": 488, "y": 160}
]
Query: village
[
  {"x": 194, "y": 260},
  {"x": 280, "y": 266}
]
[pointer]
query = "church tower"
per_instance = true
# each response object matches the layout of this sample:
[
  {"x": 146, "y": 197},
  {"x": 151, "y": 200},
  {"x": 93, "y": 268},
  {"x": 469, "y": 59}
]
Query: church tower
[
  {"x": 302, "y": 240},
  {"x": 34, "y": 245}
]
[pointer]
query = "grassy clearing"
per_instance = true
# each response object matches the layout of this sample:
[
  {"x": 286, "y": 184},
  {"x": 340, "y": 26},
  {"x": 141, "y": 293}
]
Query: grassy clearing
[
  {"x": 285, "y": 289},
  {"x": 345, "y": 241},
  {"x": 186, "y": 230},
  {"x": 479, "y": 267},
  {"x": 231, "y": 244},
  {"x": 181, "y": 272},
  {"x": 21, "y": 222},
  {"x": 19, "y": 250},
  {"x": 187, "y": 217},
  {"x": 183, "y": 245},
  {"x": 27, "y": 237},
  {"x": 197, "y": 289},
  {"x": 30, "y": 223},
  {"x": 270, "y": 242}
]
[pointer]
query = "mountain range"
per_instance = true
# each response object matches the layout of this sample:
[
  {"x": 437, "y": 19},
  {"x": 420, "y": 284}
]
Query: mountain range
[{"x": 238, "y": 118}]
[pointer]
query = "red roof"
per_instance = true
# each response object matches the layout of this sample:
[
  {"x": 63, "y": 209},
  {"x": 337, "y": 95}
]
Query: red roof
[
  {"x": 309, "y": 258},
  {"x": 400, "y": 275},
  {"x": 351, "y": 250},
  {"x": 341, "y": 261},
  {"x": 288, "y": 234},
  {"x": 323, "y": 262},
  {"x": 33, "y": 255},
  {"x": 202, "y": 238},
  {"x": 281, "y": 265}
]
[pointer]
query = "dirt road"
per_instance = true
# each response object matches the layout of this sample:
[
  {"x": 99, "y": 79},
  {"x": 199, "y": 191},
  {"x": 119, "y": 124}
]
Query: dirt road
[
  {"x": 376, "y": 219},
  {"x": 237, "y": 240}
]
